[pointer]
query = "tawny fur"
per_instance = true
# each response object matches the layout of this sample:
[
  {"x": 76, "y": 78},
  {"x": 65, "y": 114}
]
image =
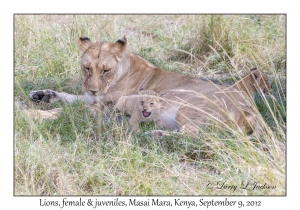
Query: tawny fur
[
  {"x": 225, "y": 106},
  {"x": 110, "y": 71},
  {"x": 134, "y": 105}
]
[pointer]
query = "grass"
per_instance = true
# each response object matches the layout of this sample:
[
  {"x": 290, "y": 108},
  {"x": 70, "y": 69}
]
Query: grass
[{"x": 84, "y": 154}]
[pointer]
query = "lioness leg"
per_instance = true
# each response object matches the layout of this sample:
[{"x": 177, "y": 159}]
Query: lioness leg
[
  {"x": 185, "y": 120},
  {"x": 255, "y": 124},
  {"x": 50, "y": 96}
]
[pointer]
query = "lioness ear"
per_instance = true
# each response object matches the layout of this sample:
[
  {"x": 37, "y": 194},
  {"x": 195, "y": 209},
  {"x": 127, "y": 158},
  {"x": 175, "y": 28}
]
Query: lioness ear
[
  {"x": 84, "y": 43},
  {"x": 121, "y": 44}
]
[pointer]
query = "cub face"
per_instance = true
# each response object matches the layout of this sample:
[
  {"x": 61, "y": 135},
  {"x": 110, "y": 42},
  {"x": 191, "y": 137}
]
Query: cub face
[
  {"x": 148, "y": 104},
  {"x": 100, "y": 64}
]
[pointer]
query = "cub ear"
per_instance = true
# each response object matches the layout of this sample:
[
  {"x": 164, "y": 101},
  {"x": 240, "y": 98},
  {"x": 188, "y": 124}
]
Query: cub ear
[
  {"x": 84, "y": 43},
  {"x": 161, "y": 95},
  {"x": 121, "y": 44}
]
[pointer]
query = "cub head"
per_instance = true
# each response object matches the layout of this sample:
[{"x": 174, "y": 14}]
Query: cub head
[
  {"x": 101, "y": 64},
  {"x": 260, "y": 81},
  {"x": 148, "y": 101}
]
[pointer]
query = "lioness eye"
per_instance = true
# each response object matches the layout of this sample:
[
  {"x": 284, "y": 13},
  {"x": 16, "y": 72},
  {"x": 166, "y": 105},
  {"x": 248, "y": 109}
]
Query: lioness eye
[
  {"x": 106, "y": 70},
  {"x": 87, "y": 68}
]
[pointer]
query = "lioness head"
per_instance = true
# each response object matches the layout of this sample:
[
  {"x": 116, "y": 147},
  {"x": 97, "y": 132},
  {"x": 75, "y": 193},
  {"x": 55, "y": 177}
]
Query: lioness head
[
  {"x": 101, "y": 64},
  {"x": 148, "y": 101},
  {"x": 260, "y": 81}
]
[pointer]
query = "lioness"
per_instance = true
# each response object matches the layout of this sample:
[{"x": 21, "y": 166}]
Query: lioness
[
  {"x": 143, "y": 107},
  {"x": 111, "y": 71},
  {"x": 231, "y": 105}
]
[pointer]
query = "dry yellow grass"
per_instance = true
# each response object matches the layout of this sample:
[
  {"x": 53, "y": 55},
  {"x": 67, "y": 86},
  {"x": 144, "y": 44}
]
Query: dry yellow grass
[{"x": 79, "y": 154}]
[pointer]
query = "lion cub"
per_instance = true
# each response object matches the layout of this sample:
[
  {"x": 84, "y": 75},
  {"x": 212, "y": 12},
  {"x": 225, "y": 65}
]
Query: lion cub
[{"x": 143, "y": 107}]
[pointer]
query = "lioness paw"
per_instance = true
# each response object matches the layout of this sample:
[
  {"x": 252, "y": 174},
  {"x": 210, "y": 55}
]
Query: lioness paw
[{"x": 47, "y": 96}]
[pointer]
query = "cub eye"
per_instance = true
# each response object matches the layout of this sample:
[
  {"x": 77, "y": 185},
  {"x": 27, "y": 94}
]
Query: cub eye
[
  {"x": 152, "y": 104},
  {"x": 142, "y": 102},
  {"x": 106, "y": 71}
]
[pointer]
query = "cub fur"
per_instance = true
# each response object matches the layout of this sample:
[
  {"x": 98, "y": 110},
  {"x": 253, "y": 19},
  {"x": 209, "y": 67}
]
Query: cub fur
[{"x": 143, "y": 107}]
